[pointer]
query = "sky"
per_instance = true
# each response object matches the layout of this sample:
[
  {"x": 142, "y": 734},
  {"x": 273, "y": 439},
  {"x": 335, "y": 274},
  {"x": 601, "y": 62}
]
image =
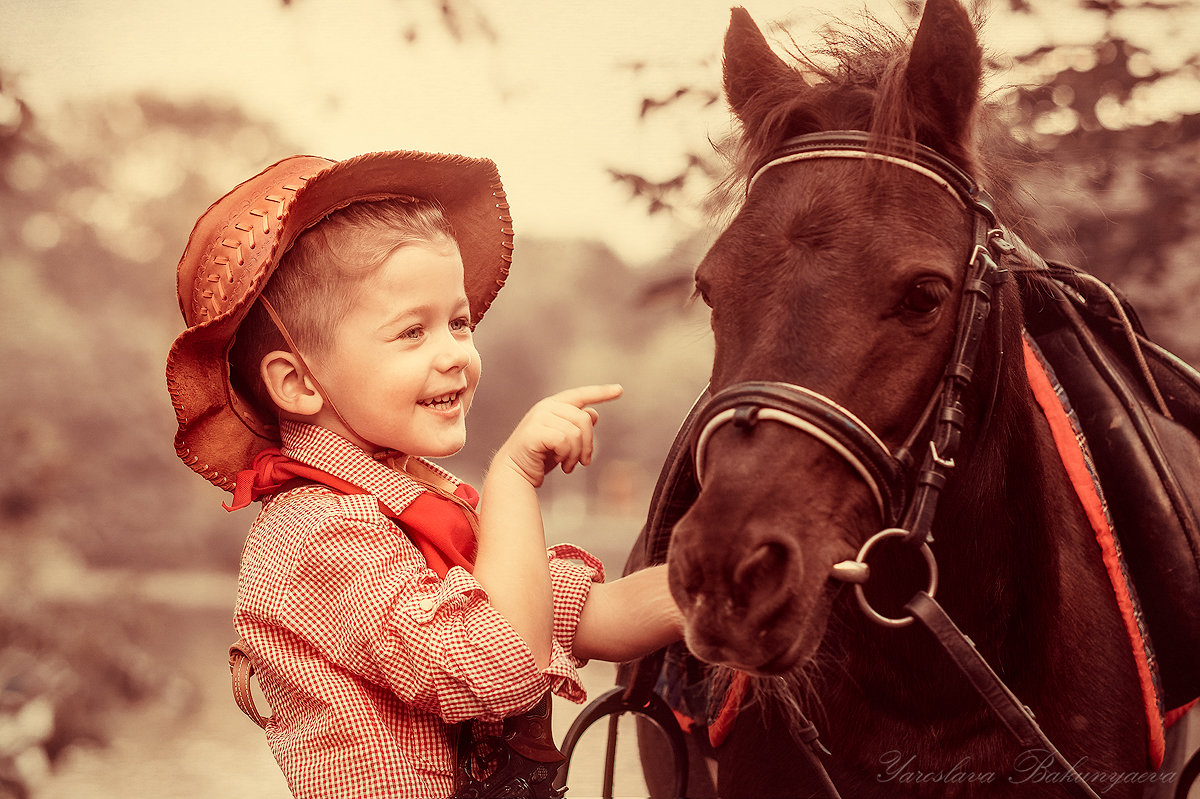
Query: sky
[
  {"x": 553, "y": 97},
  {"x": 549, "y": 100}
]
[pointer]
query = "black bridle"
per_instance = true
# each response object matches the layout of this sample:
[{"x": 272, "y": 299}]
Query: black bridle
[
  {"x": 906, "y": 493},
  {"x": 910, "y": 491}
]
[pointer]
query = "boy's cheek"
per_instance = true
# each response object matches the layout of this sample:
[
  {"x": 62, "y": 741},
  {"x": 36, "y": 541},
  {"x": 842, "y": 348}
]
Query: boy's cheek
[{"x": 474, "y": 371}]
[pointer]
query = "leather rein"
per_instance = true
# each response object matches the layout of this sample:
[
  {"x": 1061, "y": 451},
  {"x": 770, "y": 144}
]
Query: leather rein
[{"x": 886, "y": 473}]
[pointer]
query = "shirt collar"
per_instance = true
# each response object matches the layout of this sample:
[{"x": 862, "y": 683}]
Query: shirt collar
[{"x": 394, "y": 487}]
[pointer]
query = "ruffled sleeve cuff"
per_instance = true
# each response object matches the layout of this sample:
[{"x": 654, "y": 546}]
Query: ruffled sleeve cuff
[{"x": 573, "y": 571}]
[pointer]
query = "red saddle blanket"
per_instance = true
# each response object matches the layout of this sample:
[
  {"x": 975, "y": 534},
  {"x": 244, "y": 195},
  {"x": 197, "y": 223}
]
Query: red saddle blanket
[{"x": 1077, "y": 460}]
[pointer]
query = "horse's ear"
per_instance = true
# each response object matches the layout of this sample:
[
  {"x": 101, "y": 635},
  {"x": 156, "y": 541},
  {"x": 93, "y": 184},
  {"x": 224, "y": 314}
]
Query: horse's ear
[
  {"x": 751, "y": 67},
  {"x": 943, "y": 75}
]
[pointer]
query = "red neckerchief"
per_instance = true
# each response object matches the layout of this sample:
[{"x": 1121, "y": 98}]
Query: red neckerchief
[{"x": 436, "y": 524}]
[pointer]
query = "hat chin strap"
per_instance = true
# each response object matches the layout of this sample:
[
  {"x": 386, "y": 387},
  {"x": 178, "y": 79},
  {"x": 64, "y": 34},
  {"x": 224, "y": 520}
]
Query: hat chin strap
[{"x": 325, "y": 395}]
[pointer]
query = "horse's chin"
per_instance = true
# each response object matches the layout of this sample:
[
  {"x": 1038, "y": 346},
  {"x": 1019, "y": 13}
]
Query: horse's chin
[{"x": 799, "y": 653}]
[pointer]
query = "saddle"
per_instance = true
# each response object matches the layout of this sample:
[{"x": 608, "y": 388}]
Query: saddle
[{"x": 1138, "y": 407}]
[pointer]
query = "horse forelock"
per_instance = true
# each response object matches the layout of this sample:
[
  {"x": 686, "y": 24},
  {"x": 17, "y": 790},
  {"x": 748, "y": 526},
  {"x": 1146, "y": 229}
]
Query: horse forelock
[{"x": 855, "y": 80}]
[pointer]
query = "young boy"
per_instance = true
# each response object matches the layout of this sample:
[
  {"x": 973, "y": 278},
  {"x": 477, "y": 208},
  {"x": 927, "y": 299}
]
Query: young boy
[{"x": 330, "y": 309}]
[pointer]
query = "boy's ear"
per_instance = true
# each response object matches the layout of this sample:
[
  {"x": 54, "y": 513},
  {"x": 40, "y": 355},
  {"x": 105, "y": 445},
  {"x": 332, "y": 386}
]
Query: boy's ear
[{"x": 287, "y": 382}]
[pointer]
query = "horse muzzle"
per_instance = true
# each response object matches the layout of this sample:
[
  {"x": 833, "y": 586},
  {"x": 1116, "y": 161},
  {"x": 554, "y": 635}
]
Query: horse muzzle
[{"x": 751, "y": 560}]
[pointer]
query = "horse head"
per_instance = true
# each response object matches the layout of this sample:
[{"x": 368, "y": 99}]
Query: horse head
[{"x": 842, "y": 275}]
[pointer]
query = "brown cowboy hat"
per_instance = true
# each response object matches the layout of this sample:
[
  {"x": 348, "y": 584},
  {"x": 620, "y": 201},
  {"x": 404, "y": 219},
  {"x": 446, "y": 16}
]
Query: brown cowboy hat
[{"x": 237, "y": 243}]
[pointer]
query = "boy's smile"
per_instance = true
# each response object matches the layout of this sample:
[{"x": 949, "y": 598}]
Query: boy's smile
[
  {"x": 403, "y": 367},
  {"x": 444, "y": 403}
]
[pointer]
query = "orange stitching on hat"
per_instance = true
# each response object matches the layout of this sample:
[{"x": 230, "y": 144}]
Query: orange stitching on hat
[
  {"x": 266, "y": 224},
  {"x": 173, "y": 388},
  {"x": 280, "y": 201},
  {"x": 186, "y": 455},
  {"x": 215, "y": 308},
  {"x": 248, "y": 230},
  {"x": 215, "y": 278},
  {"x": 236, "y": 246},
  {"x": 221, "y": 260}
]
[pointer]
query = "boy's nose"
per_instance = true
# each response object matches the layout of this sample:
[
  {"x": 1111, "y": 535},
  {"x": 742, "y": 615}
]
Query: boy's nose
[{"x": 454, "y": 353}]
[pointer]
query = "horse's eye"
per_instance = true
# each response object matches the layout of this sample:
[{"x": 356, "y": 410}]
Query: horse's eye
[{"x": 926, "y": 296}]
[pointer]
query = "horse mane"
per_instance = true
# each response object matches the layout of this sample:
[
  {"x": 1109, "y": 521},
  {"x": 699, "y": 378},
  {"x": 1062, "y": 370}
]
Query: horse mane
[{"x": 854, "y": 78}]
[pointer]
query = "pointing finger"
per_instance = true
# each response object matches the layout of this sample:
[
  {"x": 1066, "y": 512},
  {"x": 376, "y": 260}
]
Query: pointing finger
[{"x": 588, "y": 395}]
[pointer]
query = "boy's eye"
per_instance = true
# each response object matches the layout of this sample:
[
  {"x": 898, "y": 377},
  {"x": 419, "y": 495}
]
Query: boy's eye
[
  {"x": 413, "y": 332},
  {"x": 460, "y": 324}
]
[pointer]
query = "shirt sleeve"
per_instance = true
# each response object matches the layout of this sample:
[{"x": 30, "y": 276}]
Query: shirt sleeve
[
  {"x": 573, "y": 571},
  {"x": 362, "y": 595}
]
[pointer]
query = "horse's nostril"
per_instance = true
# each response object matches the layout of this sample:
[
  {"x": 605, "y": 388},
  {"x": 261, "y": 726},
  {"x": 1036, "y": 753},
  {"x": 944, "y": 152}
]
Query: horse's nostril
[{"x": 762, "y": 570}]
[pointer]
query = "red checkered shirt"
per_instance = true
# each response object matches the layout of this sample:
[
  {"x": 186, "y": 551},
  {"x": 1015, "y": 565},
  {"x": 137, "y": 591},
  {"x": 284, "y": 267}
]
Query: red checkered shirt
[{"x": 364, "y": 654}]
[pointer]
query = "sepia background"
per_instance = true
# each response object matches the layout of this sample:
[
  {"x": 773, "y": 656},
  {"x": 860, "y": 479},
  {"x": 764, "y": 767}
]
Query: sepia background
[{"x": 121, "y": 122}]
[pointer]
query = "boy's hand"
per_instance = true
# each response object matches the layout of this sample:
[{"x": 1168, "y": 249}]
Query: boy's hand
[{"x": 556, "y": 432}]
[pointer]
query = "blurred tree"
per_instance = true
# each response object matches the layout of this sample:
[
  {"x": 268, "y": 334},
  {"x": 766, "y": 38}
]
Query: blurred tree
[
  {"x": 15, "y": 118},
  {"x": 1103, "y": 103},
  {"x": 93, "y": 219},
  {"x": 461, "y": 19},
  {"x": 572, "y": 313},
  {"x": 1114, "y": 134},
  {"x": 93, "y": 213}
]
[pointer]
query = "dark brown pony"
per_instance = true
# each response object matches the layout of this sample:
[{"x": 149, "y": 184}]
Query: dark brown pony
[{"x": 845, "y": 276}]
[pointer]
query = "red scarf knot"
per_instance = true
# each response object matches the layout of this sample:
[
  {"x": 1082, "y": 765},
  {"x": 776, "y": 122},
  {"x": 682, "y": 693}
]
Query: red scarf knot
[{"x": 436, "y": 524}]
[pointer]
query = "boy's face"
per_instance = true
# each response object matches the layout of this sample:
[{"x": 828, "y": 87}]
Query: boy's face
[{"x": 403, "y": 367}]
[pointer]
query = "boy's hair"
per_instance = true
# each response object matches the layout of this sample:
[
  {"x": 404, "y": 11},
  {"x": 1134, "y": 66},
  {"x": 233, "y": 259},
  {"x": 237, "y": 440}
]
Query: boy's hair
[{"x": 318, "y": 280}]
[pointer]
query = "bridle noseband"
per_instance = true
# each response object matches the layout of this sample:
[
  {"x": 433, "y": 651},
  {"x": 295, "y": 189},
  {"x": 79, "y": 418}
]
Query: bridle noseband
[{"x": 746, "y": 404}]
